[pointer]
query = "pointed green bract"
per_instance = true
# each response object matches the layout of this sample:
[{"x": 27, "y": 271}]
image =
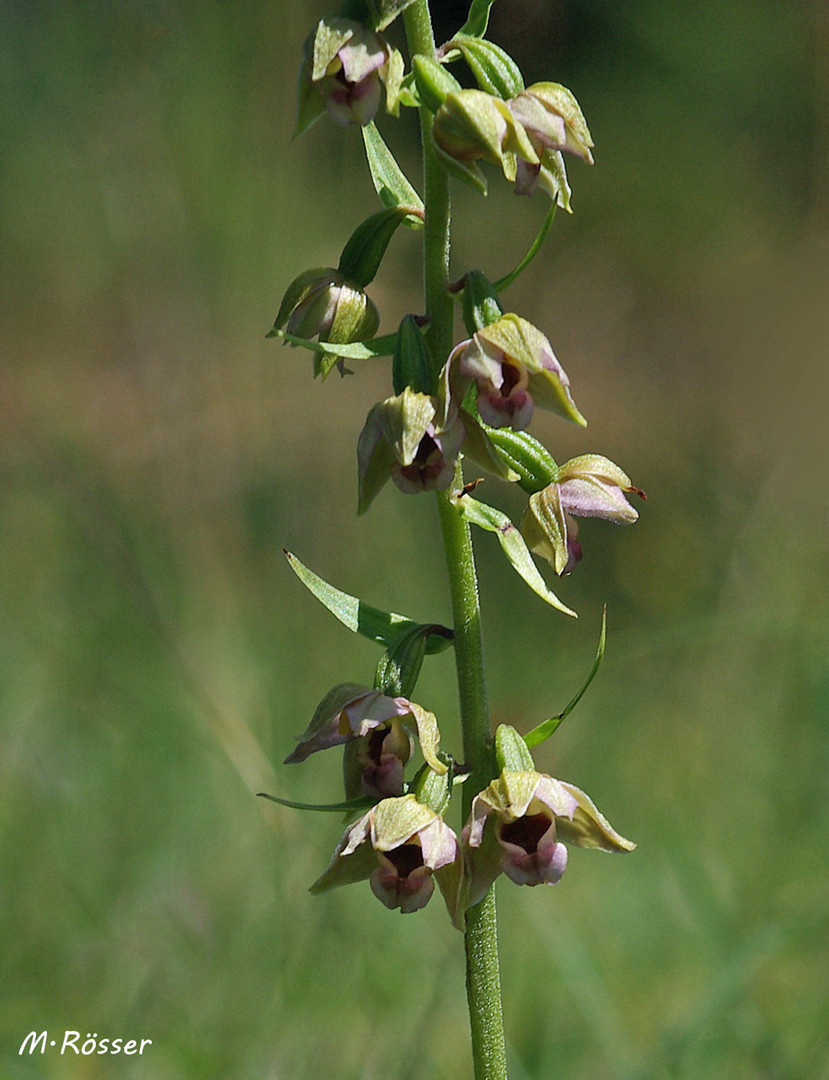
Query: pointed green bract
[
  {"x": 478, "y": 18},
  {"x": 543, "y": 732},
  {"x": 534, "y": 249},
  {"x": 381, "y": 626},
  {"x": 511, "y": 750},
  {"x": 399, "y": 667},
  {"x": 356, "y": 350},
  {"x": 388, "y": 178},
  {"x": 481, "y": 303},
  {"x": 412, "y": 362},
  {"x": 328, "y": 808},
  {"x": 367, "y": 245},
  {"x": 512, "y": 544}
]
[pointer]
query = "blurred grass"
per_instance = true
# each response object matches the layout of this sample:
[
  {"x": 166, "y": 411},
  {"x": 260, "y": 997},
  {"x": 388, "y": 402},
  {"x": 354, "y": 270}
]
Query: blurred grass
[{"x": 156, "y": 655}]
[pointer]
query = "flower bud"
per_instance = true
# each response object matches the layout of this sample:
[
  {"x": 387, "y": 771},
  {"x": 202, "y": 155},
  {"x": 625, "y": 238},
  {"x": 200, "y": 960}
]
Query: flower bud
[
  {"x": 321, "y": 303},
  {"x": 471, "y": 124}
]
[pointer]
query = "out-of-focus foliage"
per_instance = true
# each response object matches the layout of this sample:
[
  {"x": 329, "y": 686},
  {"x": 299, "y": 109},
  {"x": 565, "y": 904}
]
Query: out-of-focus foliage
[{"x": 157, "y": 655}]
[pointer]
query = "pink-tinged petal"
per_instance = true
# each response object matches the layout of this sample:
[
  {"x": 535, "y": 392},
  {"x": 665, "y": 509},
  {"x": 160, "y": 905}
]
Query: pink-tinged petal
[
  {"x": 439, "y": 844},
  {"x": 554, "y": 795},
  {"x": 588, "y": 497}
]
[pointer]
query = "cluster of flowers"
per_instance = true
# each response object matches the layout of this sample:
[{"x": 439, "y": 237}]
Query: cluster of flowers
[
  {"x": 402, "y": 844},
  {"x": 346, "y": 64},
  {"x": 476, "y": 402}
]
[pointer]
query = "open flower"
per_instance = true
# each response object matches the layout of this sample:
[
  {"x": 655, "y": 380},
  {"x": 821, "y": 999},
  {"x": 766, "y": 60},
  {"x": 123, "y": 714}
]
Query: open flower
[
  {"x": 518, "y": 824},
  {"x": 380, "y": 725},
  {"x": 398, "y": 845},
  {"x": 514, "y": 368},
  {"x": 406, "y": 438},
  {"x": 341, "y": 73},
  {"x": 587, "y": 486}
]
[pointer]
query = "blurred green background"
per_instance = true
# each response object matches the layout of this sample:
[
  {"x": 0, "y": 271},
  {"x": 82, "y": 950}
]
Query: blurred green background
[{"x": 156, "y": 453}]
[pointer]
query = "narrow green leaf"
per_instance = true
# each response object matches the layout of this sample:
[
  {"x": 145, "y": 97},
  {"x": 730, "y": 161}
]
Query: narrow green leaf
[
  {"x": 535, "y": 247},
  {"x": 390, "y": 182},
  {"x": 512, "y": 544},
  {"x": 350, "y": 804},
  {"x": 478, "y": 18},
  {"x": 546, "y": 729},
  {"x": 381, "y": 626}
]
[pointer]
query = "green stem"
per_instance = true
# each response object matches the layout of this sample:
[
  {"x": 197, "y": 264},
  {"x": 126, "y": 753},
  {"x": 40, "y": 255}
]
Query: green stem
[{"x": 483, "y": 984}]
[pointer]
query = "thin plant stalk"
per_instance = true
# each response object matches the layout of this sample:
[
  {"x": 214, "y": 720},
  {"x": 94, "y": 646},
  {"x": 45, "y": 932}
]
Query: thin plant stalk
[{"x": 483, "y": 984}]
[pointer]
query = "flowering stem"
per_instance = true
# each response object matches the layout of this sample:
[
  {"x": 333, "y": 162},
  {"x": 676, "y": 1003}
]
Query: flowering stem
[
  {"x": 483, "y": 985},
  {"x": 483, "y": 982}
]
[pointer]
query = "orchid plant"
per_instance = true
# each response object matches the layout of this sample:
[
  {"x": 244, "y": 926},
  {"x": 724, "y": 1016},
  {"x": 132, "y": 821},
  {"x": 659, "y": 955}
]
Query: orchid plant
[{"x": 452, "y": 402}]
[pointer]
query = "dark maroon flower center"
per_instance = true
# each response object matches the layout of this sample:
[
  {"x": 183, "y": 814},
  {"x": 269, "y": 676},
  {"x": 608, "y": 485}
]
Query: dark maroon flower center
[
  {"x": 526, "y": 832},
  {"x": 406, "y": 858}
]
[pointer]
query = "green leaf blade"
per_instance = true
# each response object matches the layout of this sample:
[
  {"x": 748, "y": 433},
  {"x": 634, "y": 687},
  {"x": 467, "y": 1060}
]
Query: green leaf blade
[
  {"x": 544, "y": 730},
  {"x": 512, "y": 544},
  {"x": 390, "y": 182},
  {"x": 383, "y": 627}
]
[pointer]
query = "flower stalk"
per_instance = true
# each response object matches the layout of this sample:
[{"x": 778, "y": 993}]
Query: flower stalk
[{"x": 483, "y": 982}]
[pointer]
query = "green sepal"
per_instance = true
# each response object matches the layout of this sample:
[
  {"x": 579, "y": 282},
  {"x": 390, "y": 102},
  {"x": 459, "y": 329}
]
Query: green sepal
[
  {"x": 349, "y": 804},
  {"x": 434, "y": 83},
  {"x": 381, "y": 626},
  {"x": 527, "y": 456},
  {"x": 495, "y": 71},
  {"x": 331, "y": 34},
  {"x": 310, "y": 102},
  {"x": 478, "y": 18},
  {"x": 393, "y": 81},
  {"x": 367, "y": 245},
  {"x": 481, "y": 304},
  {"x": 411, "y": 361},
  {"x": 432, "y": 789},
  {"x": 544, "y": 730},
  {"x": 512, "y": 544},
  {"x": 534, "y": 249},
  {"x": 511, "y": 750},
  {"x": 388, "y": 178}
]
